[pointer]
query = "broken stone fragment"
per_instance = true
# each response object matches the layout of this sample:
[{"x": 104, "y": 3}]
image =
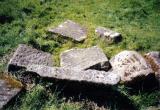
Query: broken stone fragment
[
  {"x": 154, "y": 59},
  {"x": 130, "y": 65},
  {"x": 88, "y": 76},
  {"x": 108, "y": 34},
  {"x": 83, "y": 59},
  {"x": 70, "y": 29},
  {"x": 25, "y": 55},
  {"x": 9, "y": 88}
]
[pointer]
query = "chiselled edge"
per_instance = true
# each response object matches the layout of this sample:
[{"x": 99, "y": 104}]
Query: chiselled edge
[{"x": 90, "y": 76}]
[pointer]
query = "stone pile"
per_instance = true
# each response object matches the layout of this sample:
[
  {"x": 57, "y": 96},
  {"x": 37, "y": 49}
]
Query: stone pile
[
  {"x": 76, "y": 65},
  {"x": 89, "y": 65}
]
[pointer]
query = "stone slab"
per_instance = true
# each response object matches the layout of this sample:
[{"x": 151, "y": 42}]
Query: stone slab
[
  {"x": 130, "y": 65},
  {"x": 9, "y": 88},
  {"x": 89, "y": 76},
  {"x": 87, "y": 58},
  {"x": 108, "y": 34},
  {"x": 25, "y": 55},
  {"x": 70, "y": 29}
]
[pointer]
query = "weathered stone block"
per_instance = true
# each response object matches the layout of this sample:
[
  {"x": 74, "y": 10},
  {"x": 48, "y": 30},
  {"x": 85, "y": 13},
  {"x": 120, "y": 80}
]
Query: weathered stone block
[
  {"x": 82, "y": 59},
  {"x": 108, "y": 34},
  {"x": 9, "y": 88},
  {"x": 70, "y": 29},
  {"x": 130, "y": 65},
  {"x": 25, "y": 55},
  {"x": 89, "y": 76},
  {"x": 153, "y": 58}
]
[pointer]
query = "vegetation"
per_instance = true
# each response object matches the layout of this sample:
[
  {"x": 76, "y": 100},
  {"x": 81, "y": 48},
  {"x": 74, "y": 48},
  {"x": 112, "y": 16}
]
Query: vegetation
[{"x": 27, "y": 21}]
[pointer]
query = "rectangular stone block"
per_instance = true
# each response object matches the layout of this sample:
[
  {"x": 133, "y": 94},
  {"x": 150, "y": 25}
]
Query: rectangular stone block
[
  {"x": 25, "y": 55},
  {"x": 88, "y": 76},
  {"x": 83, "y": 59},
  {"x": 70, "y": 29}
]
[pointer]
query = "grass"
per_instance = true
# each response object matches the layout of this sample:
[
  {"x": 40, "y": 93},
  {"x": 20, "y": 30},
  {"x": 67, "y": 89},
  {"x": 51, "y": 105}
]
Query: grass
[
  {"x": 27, "y": 22},
  {"x": 38, "y": 99}
]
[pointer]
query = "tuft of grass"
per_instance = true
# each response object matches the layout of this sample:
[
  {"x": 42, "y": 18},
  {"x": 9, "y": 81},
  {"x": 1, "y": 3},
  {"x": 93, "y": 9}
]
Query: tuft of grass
[{"x": 143, "y": 100}]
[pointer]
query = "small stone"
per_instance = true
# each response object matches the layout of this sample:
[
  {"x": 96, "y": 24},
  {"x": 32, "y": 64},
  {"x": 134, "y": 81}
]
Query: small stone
[
  {"x": 88, "y": 76},
  {"x": 70, "y": 29},
  {"x": 130, "y": 65},
  {"x": 108, "y": 34},
  {"x": 154, "y": 59},
  {"x": 9, "y": 88},
  {"x": 83, "y": 59},
  {"x": 25, "y": 55}
]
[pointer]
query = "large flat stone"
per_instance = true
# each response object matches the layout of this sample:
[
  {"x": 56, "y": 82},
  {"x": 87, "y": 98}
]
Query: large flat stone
[
  {"x": 70, "y": 29},
  {"x": 82, "y": 59},
  {"x": 89, "y": 76},
  {"x": 108, "y": 35},
  {"x": 154, "y": 59},
  {"x": 130, "y": 65},
  {"x": 25, "y": 55},
  {"x": 9, "y": 88}
]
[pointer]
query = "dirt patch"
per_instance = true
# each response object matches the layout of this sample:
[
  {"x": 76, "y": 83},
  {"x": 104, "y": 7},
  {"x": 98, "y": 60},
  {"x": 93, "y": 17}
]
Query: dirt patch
[{"x": 10, "y": 81}]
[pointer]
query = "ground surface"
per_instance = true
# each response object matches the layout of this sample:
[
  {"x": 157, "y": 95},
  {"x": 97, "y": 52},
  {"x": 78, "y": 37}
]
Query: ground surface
[{"x": 27, "y": 21}]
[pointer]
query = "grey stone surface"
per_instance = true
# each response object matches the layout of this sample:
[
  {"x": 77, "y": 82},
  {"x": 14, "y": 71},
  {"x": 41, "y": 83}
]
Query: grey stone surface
[
  {"x": 108, "y": 34},
  {"x": 70, "y": 29},
  {"x": 154, "y": 59},
  {"x": 9, "y": 88},
  {"x": 90, "y": 76},
  {"x": 25, "y": 55},
  {"x": 130, "y": 65},
  {"x": 82, "y": 59}
]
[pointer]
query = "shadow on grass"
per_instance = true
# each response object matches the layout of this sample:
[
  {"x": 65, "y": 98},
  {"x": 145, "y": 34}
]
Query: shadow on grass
[
  {"x": 101, "y": 95},
  {"x": 105, "y": 96},
  {"x": 148, "y": 84},
  {"x": 5, "y": 19}
]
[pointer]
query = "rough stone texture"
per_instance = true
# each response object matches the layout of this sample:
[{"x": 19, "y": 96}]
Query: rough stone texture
[
  {"x": 130, "y": 65},
  {"x": 60, "y": 73},
  {"x": 70, "y": 29},
  {"x": 9, "y": 88},
  {"x": 154, "y": 59},
  {"x": 82, "y": 59},
  {"x": 108, "y": 34},
  {"x": 25, "y": 55}
]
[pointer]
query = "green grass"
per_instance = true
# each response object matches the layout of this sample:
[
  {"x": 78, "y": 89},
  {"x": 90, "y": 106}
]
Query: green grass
[
  {"x": 27, "y": 21},
  {"x": 40, "y": 98},
  {"x": 138, "y": 21}
]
